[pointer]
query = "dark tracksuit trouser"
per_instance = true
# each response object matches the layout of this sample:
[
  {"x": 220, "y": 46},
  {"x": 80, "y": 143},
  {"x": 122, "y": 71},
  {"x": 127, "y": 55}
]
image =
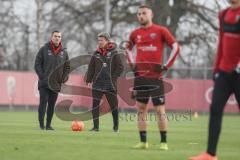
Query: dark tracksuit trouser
[
  {"x": 47, "y": 98},
  {"x": 113, "y": 103},
  {"x": 225, "y": 85}
]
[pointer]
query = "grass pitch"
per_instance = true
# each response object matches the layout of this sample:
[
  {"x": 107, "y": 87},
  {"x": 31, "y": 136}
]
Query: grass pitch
[{"x": 21, "y": 139}]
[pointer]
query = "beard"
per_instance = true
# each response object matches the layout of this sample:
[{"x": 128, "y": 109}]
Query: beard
[
  {"x": 143, "y": 23},
  {"x": 56, "y": 44},
  {"x": 232, "y": 2}
]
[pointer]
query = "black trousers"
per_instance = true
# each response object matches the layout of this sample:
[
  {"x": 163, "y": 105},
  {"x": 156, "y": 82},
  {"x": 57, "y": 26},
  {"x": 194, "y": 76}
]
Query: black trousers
[
  {"x": 225, "y": 85},
  {"x": 112, "y": 101},
  {"x": 47, "y": 98}
]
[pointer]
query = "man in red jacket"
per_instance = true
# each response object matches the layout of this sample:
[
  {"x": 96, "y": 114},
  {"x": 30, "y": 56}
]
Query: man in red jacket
[
  {"x": 149, "y": 40},
  {"x": 226, "y": 74}
]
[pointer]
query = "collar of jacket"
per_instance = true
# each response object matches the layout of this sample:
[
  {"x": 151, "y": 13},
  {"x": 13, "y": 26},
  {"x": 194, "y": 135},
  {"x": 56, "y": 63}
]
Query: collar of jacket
[
  {"x": 110, "y": 46},
  {"x": 48, "y": 45}
]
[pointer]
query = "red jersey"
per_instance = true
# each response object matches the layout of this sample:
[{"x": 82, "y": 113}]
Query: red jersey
[
  {"x": 228, "y": 54},
  {"x": 149, "y": 43}
]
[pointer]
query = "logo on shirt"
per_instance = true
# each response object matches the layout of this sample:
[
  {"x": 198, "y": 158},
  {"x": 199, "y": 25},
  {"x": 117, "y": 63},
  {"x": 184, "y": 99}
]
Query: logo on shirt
[
  {"x": 150, "y": 48},
  {"x": 109, "y": 55},
  {"x": 153, "y": 35},
  {"x": 49, "y": 52},
  {"x": 161, "y": 99},
  {"x": 104, "y": 64},
  {"x": 139, "y": 38},
  {"x": 61, "y": 54}
]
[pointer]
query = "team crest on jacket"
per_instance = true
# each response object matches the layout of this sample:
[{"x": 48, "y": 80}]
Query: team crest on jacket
[
  {"x": 97, "y": 55},
  {"x": 109, "y": 54},
  {"x": 49, "y": 52},
  {"x": 153, "y": 35},
  {"x": 61, "y": 54}
]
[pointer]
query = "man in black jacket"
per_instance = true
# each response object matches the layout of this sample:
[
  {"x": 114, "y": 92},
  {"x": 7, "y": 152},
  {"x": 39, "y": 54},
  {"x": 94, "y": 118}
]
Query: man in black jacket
[
  {"x": 103, "y": 70},
  {"x": 47, "y": 62}
]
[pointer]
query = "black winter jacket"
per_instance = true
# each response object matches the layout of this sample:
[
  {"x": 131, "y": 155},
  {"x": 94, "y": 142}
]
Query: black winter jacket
[
  {"x": 103, "y": 71},
  {"x": 46, "y": 64}
]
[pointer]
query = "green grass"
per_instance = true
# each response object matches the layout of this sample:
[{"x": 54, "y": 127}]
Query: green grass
[{"x": 21, "y": 139}]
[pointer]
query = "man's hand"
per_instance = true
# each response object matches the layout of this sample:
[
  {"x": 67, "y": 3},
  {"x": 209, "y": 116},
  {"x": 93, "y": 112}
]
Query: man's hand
[
  {"x": 237, "y": 69},
  {"x": 133, "y": 94},
  {"x": 89, "y": 84},
  {"x": 42, "y": 76},
  {"x": 160, "y": 68},
  {"x": 65, "y": 79},
  {"x": 215, "y": 76}
]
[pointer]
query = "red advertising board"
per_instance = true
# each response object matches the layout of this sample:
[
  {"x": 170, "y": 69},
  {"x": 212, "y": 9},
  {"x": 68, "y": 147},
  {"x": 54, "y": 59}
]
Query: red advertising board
[{"x": 20, "y": 88}]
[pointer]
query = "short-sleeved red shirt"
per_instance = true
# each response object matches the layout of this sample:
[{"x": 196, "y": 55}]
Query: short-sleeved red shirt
[{"x": 149, "y": 43}]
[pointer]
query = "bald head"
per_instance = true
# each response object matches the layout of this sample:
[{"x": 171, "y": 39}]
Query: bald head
[{"x": 145, "y": 15}]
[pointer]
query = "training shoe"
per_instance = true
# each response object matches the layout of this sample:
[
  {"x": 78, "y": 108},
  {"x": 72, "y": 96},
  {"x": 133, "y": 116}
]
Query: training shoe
[
  {"x": 115, "y": 128},
  {"x": 141, "y": 145},
  {"x": 42, "y": 127},
  {"x": 163, "y": 146},
  {"x": 94, "y": 129},
  {"x": 49, "y": 128},
  {"x": 203, "y": 156}
]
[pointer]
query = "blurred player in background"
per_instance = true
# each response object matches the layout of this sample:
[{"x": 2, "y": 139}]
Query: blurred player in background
[
  {"x": 149, "y": 40},
  {"x": 226, "y": 74},
  {"x": 48, "y": 58}
]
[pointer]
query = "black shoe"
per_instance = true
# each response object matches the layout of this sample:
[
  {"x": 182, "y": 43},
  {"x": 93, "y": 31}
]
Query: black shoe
[
  {"x": 94, "y": 129},
  {"x": 42, "y": 127},
  {"x": 115, "y": 128},
  {"x": 49, "y": 128}
]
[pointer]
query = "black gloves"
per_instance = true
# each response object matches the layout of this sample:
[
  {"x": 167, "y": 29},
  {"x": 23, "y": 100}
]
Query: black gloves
[{"x": 160, "y": 68}]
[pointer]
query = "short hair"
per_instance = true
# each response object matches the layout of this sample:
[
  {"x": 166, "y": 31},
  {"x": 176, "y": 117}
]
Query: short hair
[
  {"x": 144, "y": 6},
  {"x": 55, "y": 31},
  {"x": 105, "y": 35}
]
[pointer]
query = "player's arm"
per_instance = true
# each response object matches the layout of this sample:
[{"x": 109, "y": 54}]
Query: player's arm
[
  {"x": 172, "y": 43},
  {"x": 167, "y": 37},
  {"x": 128, "y": 51},
  {"x": 175, "y": 51}
]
